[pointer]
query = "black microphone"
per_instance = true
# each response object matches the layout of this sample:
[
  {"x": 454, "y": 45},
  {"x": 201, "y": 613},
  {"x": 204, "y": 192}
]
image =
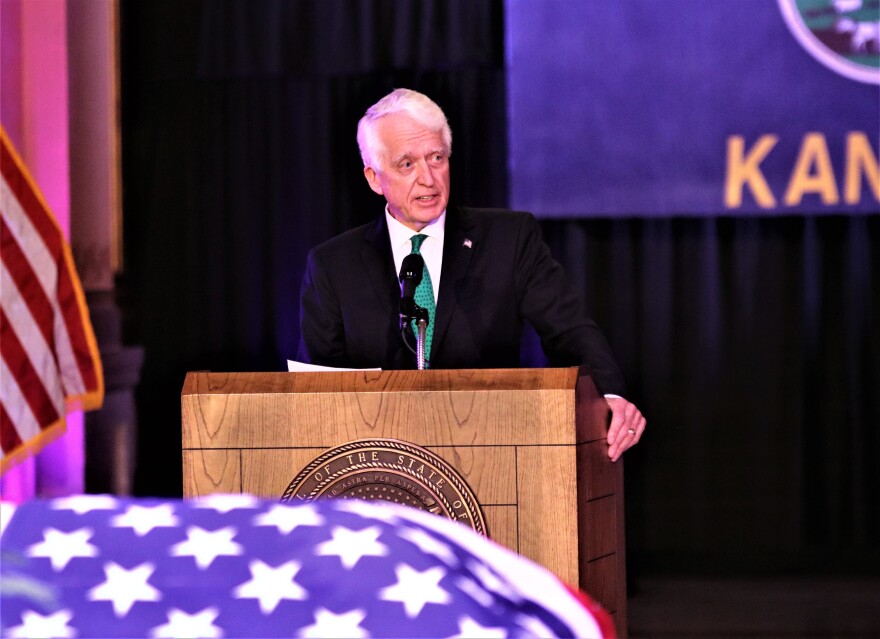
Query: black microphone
[{"x": 410, "y": 275}]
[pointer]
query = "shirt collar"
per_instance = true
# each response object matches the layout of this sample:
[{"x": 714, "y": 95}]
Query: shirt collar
[{"x": 401, "y": 234}]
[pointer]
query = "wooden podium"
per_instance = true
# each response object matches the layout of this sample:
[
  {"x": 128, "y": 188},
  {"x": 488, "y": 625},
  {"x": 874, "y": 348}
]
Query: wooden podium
[{"x": 529, "y": 442}]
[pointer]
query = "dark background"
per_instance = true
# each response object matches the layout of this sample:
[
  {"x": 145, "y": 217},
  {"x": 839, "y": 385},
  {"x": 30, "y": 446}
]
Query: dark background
[{"x": 750, "y": 343}]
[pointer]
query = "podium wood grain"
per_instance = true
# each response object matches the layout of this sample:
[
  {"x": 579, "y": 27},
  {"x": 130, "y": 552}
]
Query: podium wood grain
[{"x": 529, "y": 443}]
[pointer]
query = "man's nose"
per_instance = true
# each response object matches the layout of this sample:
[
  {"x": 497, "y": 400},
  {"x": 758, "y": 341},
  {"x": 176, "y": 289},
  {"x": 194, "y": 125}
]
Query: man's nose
[{"x": 426, "y": 174}]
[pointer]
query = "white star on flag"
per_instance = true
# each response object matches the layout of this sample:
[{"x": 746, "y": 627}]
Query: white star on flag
[
  {"x": 470, "y": 629},
  {"x": 185, "y": 626},
  {"x": 60, "y": 547},
  {"x": 318, "y": 570},
  {"x": 225, "y": 503},
  {"x": 124, "y": 587},
  {"x": 332, "y": 626},
  {"x": 271, "y": 585},
  {"x": 81, "y": 504},
  {"x": 37, "y": 626},
  {"x": 350, "y": 545},
  {"x": 144, "y": 518},
  {"x": 467, "y": 243},
  {"x": 205, "y": 545},
  {"x": 415, "y": 589},
  {"x": 287, "y": 518}
]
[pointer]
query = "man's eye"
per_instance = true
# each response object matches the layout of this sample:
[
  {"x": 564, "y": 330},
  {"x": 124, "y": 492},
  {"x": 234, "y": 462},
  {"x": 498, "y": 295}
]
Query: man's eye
[{"x": 406, "y": 164}]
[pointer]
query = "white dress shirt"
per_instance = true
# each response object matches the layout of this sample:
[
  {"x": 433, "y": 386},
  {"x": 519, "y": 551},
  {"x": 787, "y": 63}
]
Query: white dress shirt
[{"x": 431, "y": 249}]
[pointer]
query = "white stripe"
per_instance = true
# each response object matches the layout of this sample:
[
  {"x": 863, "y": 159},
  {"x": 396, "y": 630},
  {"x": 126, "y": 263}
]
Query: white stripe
[
  {"x": 46, "y": 269},
  {"x": 71, "y": 378},
  {"x": 29, "y": 239},
  {"x": 32, "y": 341},
  {"x": 16, "y": 405}
]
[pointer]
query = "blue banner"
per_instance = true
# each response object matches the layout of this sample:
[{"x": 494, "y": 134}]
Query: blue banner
[{"x": 684, "y": 107}]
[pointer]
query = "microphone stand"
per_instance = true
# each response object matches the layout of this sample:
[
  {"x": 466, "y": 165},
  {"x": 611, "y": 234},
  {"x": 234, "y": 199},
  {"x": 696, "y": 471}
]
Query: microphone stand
[
  {"x": 422, "y": 328},
  {"x": 410, "y": 311}
]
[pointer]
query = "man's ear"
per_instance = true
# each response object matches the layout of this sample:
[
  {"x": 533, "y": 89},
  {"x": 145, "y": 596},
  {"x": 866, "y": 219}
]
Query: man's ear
[{"x": 373, "y": 179}]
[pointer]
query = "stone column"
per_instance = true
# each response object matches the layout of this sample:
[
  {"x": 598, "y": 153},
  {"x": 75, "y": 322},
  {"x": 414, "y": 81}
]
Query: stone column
[{"x": 96, "y": 234}]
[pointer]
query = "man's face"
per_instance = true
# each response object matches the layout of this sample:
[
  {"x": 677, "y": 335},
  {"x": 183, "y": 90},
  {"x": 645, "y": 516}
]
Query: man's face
[{"x": 415, "y": 171}]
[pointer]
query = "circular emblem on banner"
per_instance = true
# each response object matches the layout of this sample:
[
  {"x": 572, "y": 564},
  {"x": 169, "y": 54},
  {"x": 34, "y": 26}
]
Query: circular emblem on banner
[
  {"x": 844, "y": 35},
  {"x": 388, "y": 470}
]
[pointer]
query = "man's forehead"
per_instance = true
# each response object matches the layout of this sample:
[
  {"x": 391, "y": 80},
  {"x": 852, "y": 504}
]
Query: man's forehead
[{"x": 401, "y": 131}]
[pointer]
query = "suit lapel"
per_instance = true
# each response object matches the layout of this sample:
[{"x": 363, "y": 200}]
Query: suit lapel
[
  {"x": 460, "y": 241},
  {"x": 378, "y": 262}
]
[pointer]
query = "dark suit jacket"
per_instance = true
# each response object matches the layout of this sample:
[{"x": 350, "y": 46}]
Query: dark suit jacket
[{"x": 489, "y": 287}]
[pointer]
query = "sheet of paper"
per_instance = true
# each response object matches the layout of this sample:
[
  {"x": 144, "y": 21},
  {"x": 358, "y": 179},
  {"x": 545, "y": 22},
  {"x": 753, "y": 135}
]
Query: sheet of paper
[{"x": 302, "y": 367}]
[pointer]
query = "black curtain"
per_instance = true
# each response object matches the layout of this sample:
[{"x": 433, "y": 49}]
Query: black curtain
[
  {"x": 752, "y": 346},
  {"x": 749, "y": 343},
  {"x": 239, "y": 154}
]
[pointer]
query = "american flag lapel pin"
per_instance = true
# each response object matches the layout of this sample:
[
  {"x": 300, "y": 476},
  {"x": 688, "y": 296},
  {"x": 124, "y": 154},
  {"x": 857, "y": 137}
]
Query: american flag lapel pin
[{"x": 467, "y": 243}]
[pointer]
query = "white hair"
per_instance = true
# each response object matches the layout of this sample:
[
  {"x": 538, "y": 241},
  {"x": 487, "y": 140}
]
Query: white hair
[{"x": 416, "y": 105}]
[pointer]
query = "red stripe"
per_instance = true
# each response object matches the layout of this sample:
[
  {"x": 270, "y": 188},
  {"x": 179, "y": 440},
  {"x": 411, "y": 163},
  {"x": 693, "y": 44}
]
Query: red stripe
[
  {"x": 9, "y": 439},
  {"x": 69, "y": 306},
  {"x": 599, "y": 614},
  {"x": 75, "y": 323},
  {"x": 28, "y": 283},
  {"x": 25, "y": 375},
  {"x": 30, "y": 203}
]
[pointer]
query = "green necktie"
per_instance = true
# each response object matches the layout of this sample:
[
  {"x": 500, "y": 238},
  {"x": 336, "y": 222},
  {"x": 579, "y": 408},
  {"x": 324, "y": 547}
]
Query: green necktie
[{"x": 424, "y": 297}]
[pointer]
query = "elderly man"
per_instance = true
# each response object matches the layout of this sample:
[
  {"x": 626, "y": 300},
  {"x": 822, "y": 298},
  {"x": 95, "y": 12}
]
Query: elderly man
[{"x": 487, "y": 271}]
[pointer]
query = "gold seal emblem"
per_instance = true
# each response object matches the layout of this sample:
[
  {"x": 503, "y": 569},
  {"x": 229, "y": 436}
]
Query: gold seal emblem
[{"x": 388, "y": 470}]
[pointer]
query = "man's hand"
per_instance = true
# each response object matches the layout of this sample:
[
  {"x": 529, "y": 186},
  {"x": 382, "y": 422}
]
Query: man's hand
[{"x": 626, "y": 428}]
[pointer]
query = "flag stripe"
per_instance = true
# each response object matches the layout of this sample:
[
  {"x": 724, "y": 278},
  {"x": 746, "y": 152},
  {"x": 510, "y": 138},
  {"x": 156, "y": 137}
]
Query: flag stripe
[
  {"x": 16, "y": 407},
  {"x": 21, "y": 228},
  {"x": 50, "y": 356},
  {"x": 32, "y": 291},
  {"x": 18, "y": 320},
  {"x": 9, "y": 439},
  {"x": 77, "y": 371},
  {"x": 45, "y": 435},
  {"x": 31, "y": 203},
  {"x": 29, "y": 381},
  {"x": 74, "y": 360}
]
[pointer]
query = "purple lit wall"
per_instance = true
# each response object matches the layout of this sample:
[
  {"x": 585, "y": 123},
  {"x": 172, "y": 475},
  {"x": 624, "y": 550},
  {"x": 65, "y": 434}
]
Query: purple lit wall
[{"x": 34, "y": 112}]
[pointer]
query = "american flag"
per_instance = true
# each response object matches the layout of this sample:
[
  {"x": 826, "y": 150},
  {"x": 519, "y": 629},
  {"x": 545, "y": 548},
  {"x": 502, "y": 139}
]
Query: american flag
[
  {"x": 239, "y": 566},
  {"x": 49, "y": 360}
]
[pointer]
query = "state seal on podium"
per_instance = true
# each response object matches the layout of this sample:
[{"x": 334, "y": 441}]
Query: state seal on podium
[{"x": 389, "y": 470}]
